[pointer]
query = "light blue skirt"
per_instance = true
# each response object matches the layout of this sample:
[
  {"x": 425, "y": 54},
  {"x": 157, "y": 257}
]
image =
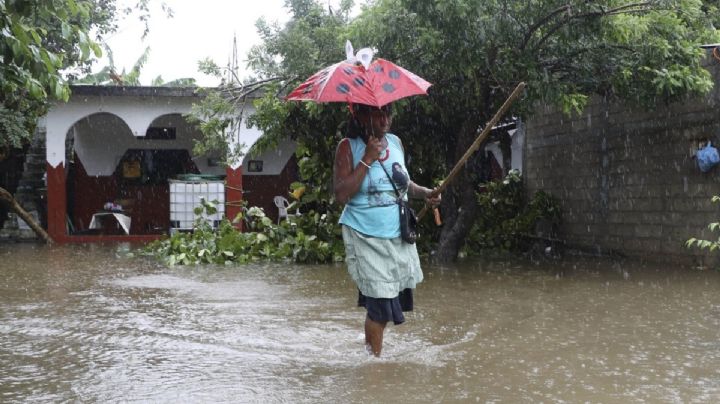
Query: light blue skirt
[{"x": 380, "y": 267}]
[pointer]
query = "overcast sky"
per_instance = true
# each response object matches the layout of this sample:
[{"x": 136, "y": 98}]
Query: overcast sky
[{"x": 198, "y": 29}]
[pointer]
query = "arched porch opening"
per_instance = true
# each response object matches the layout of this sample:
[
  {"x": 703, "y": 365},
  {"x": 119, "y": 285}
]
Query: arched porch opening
[{"x": 110, "y": 169}]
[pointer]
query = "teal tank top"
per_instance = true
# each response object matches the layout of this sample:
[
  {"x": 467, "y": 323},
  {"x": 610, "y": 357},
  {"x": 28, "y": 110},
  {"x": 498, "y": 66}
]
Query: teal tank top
[{"x": 373, "y": 209}]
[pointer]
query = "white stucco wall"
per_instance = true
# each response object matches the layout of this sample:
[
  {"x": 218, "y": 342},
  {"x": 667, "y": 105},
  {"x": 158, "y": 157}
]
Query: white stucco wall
[
  {"x": 494, "y": 148},
  {"x": 100, "y": 141},
  {"x": 104, "y": 127},
  {"x": 273, "y": 160},
  {"x": 516, "y": 148}
]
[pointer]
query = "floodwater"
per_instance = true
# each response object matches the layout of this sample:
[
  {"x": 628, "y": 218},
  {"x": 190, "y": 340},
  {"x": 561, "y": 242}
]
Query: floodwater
[{"x": 89, "y": 324}]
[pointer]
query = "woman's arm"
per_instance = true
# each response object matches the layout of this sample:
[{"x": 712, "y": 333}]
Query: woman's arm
[
  {"x": 346, "y": 178},
  {"x": 416, "y": 191}
]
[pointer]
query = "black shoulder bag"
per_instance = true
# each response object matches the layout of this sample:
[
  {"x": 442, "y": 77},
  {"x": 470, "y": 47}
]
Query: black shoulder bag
[{"x": 408, "y": 220}]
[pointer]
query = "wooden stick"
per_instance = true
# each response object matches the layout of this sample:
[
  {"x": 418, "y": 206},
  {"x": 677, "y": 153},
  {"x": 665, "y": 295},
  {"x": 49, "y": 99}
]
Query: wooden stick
[
  {"x": 7, "y": 197},
  {"x": 475, "y": 145}
]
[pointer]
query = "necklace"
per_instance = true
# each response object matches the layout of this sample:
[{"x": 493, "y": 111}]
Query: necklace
[{"x": 387, "y": 155}]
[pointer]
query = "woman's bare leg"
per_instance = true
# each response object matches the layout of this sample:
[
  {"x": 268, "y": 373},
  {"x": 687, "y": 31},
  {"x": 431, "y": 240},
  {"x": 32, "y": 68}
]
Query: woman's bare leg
[{"x": 374, "y": 335}]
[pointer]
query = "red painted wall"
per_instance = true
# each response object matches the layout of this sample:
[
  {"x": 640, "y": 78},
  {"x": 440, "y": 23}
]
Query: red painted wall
[
  {"x": 57, "y": 203},
  {"x": 233, "y": 194},
  {"x": 261, "y": 189},
  {"x": 87, "y": 194},
  {"x": 150, "y": 204}
]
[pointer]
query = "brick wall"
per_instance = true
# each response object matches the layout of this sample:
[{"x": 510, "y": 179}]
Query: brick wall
[{"x": 626, "y": 178}]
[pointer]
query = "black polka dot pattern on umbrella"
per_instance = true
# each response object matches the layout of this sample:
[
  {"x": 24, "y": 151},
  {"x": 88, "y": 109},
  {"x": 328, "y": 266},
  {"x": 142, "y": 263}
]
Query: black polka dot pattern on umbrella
[
  {"x": 358, "y": 81},
  {"x": 378, "y": 69},
  {"x": 348, "y": 70},
  {"x": 394, "y": 74},
  {"x": 342, "y": 88},
  {"x": 388, "y": 88}
]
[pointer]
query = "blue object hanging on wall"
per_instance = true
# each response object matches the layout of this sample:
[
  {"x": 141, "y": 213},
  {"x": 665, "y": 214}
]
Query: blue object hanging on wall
[{"x": 707, "y": 157}]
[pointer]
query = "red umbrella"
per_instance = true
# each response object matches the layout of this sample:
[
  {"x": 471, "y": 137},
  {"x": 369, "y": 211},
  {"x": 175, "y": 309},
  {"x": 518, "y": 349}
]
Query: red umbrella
[{"x": 381, "y": 83}]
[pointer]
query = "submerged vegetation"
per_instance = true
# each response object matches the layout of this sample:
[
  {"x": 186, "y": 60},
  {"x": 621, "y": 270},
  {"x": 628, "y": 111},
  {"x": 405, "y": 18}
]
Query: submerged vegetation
[
  {"x": 308, "y": 238},
  {"x": 506, "y": 223}
]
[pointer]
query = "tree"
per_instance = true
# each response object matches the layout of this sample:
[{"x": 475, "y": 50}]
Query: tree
[
  {"x": 475, "y": 52},
  {"x": 314, "y": 37},
  {"x": 109, "y": 76},
  {"x": 38, "y": 40},
  {"x": 566, "y": 50}
]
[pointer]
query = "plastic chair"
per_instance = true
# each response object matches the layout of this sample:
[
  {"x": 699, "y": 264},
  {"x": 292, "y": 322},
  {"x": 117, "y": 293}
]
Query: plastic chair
[{"x": 282, "y": 205}]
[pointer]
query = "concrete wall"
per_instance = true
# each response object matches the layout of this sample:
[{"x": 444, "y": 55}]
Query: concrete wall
[{"x": 627, "y": 178}]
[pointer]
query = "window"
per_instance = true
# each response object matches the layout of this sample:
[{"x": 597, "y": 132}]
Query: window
[
  {"x": 255, "y": 166},
  {"x": 159, "y": 133}
]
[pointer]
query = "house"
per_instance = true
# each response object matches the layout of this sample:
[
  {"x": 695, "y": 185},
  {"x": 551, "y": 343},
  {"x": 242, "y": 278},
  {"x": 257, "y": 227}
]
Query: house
[{"x": 119, "y": 148}]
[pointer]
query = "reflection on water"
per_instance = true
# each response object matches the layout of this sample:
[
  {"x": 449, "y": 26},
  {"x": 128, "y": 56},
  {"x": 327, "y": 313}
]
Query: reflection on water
[{"x": 86, "y": 324}]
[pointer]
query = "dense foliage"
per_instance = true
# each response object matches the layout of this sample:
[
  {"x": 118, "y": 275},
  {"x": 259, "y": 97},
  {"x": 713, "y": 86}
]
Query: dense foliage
[
  {"x": 475, "y": 52},
  {"x": 37, "y": 41},
  {"x": 507, "y": 219},
  {"x": 44, "y": 43}
]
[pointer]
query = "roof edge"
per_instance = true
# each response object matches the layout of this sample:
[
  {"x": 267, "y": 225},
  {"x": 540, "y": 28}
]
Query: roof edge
[{"x": 138, "y": 91}]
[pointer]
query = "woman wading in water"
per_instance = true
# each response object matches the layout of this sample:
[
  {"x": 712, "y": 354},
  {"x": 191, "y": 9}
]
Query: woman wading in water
[{"x": 383, "y": 266}]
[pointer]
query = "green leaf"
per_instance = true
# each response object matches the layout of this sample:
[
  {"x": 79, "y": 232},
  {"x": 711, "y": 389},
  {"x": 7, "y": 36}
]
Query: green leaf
[{"x": 66, "y": 30}]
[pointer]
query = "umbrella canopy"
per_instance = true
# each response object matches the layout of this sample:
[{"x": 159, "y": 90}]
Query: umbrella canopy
[{"x": 381, "y": 83}]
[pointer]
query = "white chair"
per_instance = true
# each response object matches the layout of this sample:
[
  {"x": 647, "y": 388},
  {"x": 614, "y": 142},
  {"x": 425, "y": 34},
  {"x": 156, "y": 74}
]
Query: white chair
[{"x": 282, "y": 205}]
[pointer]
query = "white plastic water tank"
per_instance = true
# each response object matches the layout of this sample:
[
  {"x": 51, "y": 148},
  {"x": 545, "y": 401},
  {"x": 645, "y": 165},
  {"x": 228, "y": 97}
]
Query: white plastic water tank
[{"x": 187, "y": 194}]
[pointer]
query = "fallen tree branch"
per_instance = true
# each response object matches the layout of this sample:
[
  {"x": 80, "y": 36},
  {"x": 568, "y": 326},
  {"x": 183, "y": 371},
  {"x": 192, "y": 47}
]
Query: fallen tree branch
[{"x": 8, "y": 198}]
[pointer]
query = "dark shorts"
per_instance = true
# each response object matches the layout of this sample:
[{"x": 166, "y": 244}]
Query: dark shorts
[{"x": 383, "y": 310}]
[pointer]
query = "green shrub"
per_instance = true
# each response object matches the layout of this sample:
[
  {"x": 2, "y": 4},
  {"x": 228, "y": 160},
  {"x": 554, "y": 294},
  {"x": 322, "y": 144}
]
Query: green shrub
[
  {"x": 309, "y": 238},
  {"x": 711, "y": 245},
  {"x": 506, "y": 220}
]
